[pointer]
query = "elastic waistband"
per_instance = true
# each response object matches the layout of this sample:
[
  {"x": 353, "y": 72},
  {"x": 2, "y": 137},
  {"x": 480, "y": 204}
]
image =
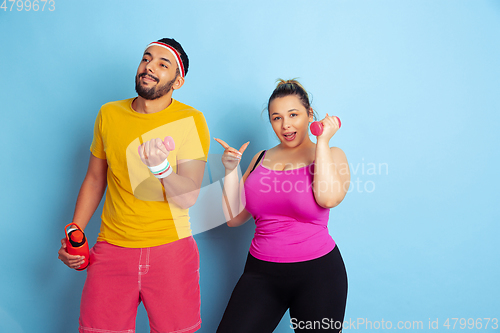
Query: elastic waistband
[{"x": 303, "y": 267}]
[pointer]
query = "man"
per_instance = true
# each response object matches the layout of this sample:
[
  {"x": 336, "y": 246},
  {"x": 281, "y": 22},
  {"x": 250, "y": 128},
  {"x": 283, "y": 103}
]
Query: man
[{"x": 145, "y": 250}]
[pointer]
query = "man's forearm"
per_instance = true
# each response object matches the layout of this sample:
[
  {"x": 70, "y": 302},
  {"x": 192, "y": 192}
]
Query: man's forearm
[
  {"x": 88, "y": 200},
  {"x": 183, "y": 191}
]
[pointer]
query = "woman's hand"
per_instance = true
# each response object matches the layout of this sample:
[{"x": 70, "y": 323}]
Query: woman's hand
[
  {"x": 153, "y": 152},
  {"x": 231, "y": 157},
  {"x": 330, "y": 127}
]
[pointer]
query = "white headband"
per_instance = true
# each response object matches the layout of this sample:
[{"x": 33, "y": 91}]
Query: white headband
[{"x": 172, "y": 50}]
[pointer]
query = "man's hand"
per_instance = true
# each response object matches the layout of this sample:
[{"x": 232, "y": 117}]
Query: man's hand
[
  {"x": 68, "y": 259},
  {"x": 153, "y": 152}
]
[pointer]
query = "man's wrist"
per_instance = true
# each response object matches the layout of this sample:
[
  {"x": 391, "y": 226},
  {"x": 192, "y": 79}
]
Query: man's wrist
[{"x": 161, "y": 171}]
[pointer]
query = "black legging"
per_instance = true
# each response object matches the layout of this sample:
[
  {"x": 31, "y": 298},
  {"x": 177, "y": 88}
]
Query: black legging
[{"x": 315, "y": 291}]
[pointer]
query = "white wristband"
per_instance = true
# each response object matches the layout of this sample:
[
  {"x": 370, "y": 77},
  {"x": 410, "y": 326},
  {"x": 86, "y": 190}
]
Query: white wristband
[
  {"x": 159, "y": 167},
  {"x": 165, "y": 173},
  {"x": 162, "y": 170}
]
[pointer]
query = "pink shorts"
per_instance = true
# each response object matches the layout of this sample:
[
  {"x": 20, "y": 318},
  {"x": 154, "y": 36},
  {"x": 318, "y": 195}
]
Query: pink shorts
[{"x": 165, "y": 278}]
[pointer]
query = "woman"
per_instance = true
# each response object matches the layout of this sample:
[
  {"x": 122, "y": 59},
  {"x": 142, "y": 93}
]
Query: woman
[{"x": 293, "y": 262}]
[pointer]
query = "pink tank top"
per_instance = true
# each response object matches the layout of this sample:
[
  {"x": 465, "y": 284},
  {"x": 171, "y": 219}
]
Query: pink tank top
[{"x": 290, "y": 225}]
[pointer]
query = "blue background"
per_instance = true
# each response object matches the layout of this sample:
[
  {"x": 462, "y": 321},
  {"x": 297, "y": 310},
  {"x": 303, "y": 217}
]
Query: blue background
[{"x": 415, "y": 83}]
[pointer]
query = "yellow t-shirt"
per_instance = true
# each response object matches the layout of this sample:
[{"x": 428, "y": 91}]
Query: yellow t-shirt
[{"x": 136, "y": 212}]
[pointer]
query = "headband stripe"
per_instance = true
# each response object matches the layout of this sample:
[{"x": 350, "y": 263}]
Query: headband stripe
[{"x": 174, "y": 52}]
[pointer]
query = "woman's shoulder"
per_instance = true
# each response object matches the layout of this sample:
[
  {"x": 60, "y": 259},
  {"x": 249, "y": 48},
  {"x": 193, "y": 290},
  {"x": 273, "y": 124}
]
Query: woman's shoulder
[
  {"x": 336, "y": 151},
  {"x": 339, "y": 156},
  {"x": 253, "y": 164},
  {"x": 256, "y": 157}
]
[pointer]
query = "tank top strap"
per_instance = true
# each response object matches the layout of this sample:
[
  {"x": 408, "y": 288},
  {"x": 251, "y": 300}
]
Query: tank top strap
[{"x": 258, "y": 160}]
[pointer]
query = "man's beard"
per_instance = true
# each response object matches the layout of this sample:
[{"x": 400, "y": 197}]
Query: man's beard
[{"x": 152, "y": 93}]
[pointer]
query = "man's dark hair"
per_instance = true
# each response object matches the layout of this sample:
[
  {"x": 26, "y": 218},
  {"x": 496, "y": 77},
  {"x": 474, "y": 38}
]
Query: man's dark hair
[{"x": 184, "y": 58}]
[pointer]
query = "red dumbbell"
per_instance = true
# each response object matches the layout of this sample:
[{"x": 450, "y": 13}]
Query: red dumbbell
[{"x": 317, "y": 127}]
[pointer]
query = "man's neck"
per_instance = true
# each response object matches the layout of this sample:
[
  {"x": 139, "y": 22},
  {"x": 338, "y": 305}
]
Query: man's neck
[{"x": 146, "y": 106}]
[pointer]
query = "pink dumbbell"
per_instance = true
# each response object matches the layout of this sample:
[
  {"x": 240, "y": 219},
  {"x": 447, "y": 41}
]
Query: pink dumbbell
[
  {"x": 168, "y": 142},
  {"x": 317, "y": 127}
]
